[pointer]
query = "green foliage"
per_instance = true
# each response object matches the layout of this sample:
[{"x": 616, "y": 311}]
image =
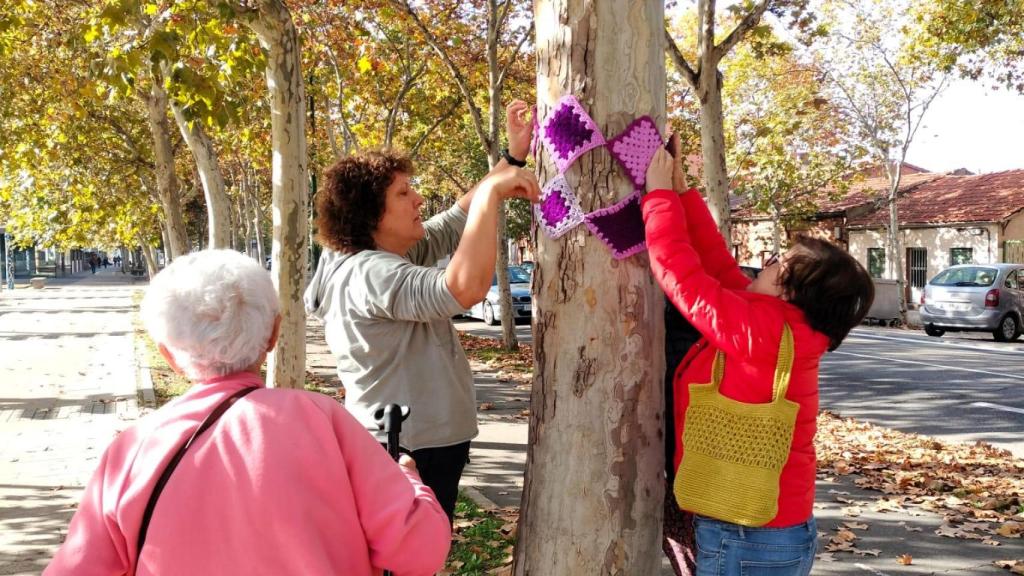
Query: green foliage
[{"x": 974, "y": 38}]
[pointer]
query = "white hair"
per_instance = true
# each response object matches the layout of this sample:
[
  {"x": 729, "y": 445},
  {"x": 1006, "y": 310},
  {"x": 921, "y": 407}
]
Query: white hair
[{"x": 214, "y": 310}]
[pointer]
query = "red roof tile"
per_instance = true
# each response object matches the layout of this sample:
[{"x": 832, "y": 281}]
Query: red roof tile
[
  {"x": 859, "y": 194},
  {"x": 955, "y": 199}
]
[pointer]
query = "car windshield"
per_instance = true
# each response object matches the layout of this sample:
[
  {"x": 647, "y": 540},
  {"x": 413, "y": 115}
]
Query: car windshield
[
  {"x": 967, "y": 276},
  {"x": 516, "y": 275}
]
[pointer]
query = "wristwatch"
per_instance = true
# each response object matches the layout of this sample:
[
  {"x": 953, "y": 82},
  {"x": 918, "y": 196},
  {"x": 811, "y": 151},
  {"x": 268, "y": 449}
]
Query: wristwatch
[{"x": 511, "y": 159}]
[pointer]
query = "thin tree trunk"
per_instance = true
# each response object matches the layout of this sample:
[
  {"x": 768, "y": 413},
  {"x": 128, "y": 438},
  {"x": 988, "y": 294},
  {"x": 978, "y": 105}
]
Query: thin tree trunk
[
  {"x": 166, "y": 180},
  {"x": 712, "y": 145},
  {"x": 594, "y": 488},
  {"x": 276, "y": 32},
  {"x": 895, "y": 249},
  {"x": 218, "y": 210},
  {"x": 151, "y": 265},
  {"x": 257, "y": 219}
]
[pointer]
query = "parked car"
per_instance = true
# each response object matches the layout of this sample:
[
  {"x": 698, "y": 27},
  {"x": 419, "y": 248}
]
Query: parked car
[
  {"x": 528, "y": 266},
  {"x": 489, "y": 309},
  {"x": 975, "y": 297}
]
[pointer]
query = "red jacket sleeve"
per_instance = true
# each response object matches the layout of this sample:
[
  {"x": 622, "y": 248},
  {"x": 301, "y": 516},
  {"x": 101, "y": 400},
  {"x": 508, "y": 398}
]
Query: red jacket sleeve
[
  {"x": 728, "y": 319},
  {"x": 714, "y": 253}
]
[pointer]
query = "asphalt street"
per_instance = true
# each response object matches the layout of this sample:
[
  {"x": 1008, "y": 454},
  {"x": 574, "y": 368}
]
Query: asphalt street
[{"x": 961, "y": 387}]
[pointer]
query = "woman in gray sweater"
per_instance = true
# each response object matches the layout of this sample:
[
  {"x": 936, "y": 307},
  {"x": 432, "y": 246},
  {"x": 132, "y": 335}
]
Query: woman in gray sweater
[{"x": 387, "y": 308}]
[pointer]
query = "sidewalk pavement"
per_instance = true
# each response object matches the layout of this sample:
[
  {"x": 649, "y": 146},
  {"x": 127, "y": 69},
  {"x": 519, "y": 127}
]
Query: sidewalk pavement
[{"x": 67, "y": 386}]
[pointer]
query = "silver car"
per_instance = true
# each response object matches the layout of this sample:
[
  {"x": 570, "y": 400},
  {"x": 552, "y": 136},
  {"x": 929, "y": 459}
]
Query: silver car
[
  {"x": 489, "y": 309},
  {"x": 975, "y": 297}
]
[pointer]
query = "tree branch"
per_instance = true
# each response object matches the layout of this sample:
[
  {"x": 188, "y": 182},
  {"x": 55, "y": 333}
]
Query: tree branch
[
  {"x": 414, "y": 152},
  {"x": 512, "y": 58},
  {"x": 679, "y": 60},
  {"x": 460, "y": 79},
  {"x": 748, "y": 23}
]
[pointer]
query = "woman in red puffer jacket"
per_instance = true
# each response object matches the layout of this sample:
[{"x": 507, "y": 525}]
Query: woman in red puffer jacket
[{"x": 816, "y": 288}]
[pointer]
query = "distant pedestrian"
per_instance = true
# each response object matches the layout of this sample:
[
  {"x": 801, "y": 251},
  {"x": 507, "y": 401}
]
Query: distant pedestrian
[
  {"x": 284, "y": 482},
  {"x": 93, "y": 262}
]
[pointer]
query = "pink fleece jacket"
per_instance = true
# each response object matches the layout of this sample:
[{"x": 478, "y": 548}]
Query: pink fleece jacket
[{"x": 286, "y": 482}]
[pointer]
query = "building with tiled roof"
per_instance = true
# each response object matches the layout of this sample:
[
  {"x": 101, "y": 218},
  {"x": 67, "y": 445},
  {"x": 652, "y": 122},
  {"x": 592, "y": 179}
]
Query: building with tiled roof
[
  {"x": 948, "y": 220},
  {"x": 753, "y": 231}
]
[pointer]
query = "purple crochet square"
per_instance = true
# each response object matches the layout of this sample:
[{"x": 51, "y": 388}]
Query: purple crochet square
[
  {"x": 620, "y": 226},
  {"x": 558, "y": 210},
  {"x": 568, "y": 132},
  {"x": 635, "y": 147}
]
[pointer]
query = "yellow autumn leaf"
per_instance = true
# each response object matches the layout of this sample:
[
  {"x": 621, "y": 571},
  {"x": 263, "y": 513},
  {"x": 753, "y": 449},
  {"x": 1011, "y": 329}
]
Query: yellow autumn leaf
[
  {"x": 365, "y": 65},
  {"x": 905, "y": 559}
]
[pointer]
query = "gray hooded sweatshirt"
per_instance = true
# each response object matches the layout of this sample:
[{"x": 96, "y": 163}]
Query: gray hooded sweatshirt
[{"x": 388, "y": 323}]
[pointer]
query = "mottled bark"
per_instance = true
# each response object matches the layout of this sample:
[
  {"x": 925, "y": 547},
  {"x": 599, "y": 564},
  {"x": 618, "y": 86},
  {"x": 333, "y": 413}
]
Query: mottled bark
[
  {"x": 218, "y": 209},
  {"x": 277, "y": 34},
  {"x": 166, "y": 180},
  {"x": 592, "y": 499}
]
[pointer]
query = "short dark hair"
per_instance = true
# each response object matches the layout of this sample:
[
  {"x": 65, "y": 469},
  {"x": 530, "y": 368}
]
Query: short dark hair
[
  {"x": 351, "y": 201},
  {"x": 831, "y": 288}
]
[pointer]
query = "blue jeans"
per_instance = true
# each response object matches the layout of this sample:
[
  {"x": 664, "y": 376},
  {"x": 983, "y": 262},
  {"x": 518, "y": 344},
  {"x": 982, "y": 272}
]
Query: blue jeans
[{"x": 725, "y": 549}]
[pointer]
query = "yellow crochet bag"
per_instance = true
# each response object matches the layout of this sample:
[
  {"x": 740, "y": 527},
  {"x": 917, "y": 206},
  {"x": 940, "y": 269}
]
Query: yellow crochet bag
[{"x": 734, "y": 452}]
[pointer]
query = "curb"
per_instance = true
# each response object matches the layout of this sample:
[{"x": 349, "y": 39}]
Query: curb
[
  {"x": 144, "y": 383},
  {"x": 479, "y": 499}
]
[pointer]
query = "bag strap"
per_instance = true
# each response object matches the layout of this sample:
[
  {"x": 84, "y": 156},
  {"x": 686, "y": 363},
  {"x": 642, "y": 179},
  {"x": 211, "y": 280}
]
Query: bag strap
[
  {"x": 159, "y": 487},
  {"x": 783, "y": 366}
]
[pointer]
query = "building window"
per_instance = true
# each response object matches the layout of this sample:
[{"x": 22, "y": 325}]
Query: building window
[
  {"x": 917, "y": 267},
  {"x": 961, "y": 256},
  {"x": 876, "y": 262}
]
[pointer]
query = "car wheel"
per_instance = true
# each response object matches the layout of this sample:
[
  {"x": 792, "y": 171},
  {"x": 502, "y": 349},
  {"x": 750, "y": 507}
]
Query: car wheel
[
  {"x": 1008, "y": 329},
  {"x": 931, "y": 330},
  {"x": 489, "y": 318}
]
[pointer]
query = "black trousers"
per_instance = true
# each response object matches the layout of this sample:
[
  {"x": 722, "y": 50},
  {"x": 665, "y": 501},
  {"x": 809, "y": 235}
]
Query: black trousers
[{"x": 441, "y": 470}]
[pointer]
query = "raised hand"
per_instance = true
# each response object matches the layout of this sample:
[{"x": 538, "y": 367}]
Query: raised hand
[
  {"x": 513, "y": 182},
  {"x": 659, "y": 173},
  {"x": 519, "y": 129},
  {"x": 678, "y": 176}
]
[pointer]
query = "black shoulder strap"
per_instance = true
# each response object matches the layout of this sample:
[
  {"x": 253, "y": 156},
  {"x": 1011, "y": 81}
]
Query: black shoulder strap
[{"x": 220, "y": 409}]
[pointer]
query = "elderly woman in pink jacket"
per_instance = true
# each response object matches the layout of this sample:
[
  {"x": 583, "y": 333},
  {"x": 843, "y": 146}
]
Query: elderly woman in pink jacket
[{"x": 282, "y": 482}]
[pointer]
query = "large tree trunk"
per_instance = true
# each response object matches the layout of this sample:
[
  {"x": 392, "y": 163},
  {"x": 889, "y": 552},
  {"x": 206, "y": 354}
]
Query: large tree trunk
[
  {"x": 712, "y": 145},
  {"x": 218, "y": 210},
  {"x": 166, "y": 180},
  {"x": 593, "y": 495},
  {"x": 276, "y": 32}
]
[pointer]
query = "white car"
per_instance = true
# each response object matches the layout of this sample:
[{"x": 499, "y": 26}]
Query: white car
[{"x": 489, "y": 309}]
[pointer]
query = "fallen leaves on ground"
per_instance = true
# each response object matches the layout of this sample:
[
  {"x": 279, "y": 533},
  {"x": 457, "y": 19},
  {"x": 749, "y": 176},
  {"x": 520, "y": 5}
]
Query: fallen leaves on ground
[
  {"x": 1014, "y": 566},
  {"x": 486, "y": 354},
  {"x": 977, "y": 488}
]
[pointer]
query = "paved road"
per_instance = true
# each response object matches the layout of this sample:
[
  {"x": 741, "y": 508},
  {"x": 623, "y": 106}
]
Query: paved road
[
  {"x": 964, "y": 388},
  {"x": 961, "y": 387}
]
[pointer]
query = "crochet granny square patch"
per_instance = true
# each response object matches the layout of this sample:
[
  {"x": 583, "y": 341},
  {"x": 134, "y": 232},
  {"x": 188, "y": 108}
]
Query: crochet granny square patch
[
  {"x": 568, "y": 132},
  {"x": 635, "y": 147},
  {"x": 620, "y": 226},
  {"x": 558, "y": 210}
]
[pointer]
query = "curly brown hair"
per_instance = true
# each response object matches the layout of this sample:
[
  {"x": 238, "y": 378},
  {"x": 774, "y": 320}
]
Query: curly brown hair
[
  {"x": 351, "y": 202},
  {"x": 828, "y": 284}
]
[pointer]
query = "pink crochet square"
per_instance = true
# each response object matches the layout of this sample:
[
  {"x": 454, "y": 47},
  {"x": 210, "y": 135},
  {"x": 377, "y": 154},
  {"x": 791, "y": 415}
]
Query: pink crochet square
[
  {"x": 635, "y": 147},
  {"x": 568, "y": 132},
  {"x": 620, "y": 226},
  {"x": 558, "y": 210}
]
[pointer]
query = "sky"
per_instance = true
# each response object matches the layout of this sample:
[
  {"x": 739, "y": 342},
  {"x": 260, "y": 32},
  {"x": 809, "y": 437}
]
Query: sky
[{"x": 971, "y": 126}]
